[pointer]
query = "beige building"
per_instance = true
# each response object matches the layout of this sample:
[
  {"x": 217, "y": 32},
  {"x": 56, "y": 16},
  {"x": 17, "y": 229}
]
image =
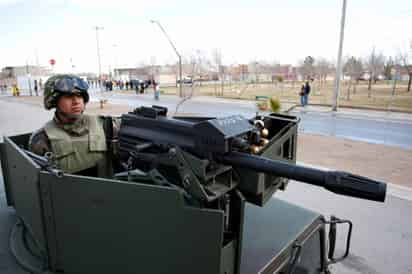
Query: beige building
[{"x": 24, "y": 76}]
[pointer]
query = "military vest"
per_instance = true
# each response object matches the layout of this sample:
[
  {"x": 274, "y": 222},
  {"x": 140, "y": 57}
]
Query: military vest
[{"x": 77, "y": 153}]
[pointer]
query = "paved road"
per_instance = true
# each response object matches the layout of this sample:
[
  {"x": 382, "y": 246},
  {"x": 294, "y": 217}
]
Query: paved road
[
  {"x": 198, "y": 104},
  {"x": 374, "y": 129}
]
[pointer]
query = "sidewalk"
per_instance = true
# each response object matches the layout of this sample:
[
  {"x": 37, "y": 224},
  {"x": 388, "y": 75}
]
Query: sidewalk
[{"x": 385, "y": 163}]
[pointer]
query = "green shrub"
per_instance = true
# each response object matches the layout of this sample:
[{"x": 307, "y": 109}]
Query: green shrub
[
  {"x": 274, "y": 104},
  {"x": 279, "y": 78}
]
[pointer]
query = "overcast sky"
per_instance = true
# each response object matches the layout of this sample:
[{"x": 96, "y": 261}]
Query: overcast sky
[{"x": 34, "y": 31}]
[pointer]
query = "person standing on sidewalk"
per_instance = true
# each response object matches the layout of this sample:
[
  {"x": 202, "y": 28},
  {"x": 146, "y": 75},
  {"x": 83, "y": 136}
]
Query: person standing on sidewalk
[
  {"x": 78, "y": 142},
  {"x": 304, "y": 93},
  {"x": 36, "y": 88},
  {"x": 156, "y": 89},
  {"x": 15, "y": 90}
]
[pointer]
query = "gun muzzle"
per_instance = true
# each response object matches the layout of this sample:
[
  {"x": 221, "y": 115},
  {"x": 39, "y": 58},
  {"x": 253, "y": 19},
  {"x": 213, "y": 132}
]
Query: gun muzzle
[
  {"x": 355, "y": 186},
  {"x": 336, "y": 181}
]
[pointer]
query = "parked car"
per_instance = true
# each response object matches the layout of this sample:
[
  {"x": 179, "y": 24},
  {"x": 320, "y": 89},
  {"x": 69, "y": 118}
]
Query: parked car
[{"x": 186, "y": 80}]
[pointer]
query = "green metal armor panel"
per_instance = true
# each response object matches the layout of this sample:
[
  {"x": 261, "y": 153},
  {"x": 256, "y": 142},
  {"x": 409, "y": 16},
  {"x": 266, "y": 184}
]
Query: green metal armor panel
[
  {"x": 21, "y": 176},
  {"x": 106, "y": 226}
]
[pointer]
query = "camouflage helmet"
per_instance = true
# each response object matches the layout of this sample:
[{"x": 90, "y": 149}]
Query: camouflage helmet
[{"x": 63, "y": 84}]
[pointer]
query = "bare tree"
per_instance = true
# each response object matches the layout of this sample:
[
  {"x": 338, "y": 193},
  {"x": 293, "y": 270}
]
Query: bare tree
[
  {"x": 375, "y": 65},
  {"x": 388, "y": 67},
  {"x": 353, "y": 68},
  {"x": 322, "y": 69},
  {"x": 175, "y": 70},
  {"x": 190, "y": 68},
  {"x": 202, "y": 65},
  {"x": 152, "y": 67},
  {"x": 217, "y": 62},
  {"x": 307, "y": 67},
  {"x": 405, "y": 58},
  {"x": 253, "y": 68}
]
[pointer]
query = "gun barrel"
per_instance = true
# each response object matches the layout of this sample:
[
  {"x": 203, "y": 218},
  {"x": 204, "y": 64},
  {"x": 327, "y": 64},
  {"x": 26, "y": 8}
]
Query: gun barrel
[{"x": 336, "y": 181}]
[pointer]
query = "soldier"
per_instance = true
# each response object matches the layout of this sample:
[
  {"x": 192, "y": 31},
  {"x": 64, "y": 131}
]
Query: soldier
[{"x": 77, "y": 141}]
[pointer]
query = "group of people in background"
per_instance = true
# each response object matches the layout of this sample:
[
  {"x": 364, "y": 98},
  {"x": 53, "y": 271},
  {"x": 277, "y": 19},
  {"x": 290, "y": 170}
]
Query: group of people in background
[{"x": 138, "y": 85}]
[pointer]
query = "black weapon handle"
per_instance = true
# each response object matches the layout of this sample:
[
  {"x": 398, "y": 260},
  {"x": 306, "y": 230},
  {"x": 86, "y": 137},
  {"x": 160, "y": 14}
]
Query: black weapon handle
[{"x": 335, "y": 181}]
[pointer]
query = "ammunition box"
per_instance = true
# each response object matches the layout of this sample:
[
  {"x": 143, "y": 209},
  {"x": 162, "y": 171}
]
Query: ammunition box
[{"x": 258, "y": 187}]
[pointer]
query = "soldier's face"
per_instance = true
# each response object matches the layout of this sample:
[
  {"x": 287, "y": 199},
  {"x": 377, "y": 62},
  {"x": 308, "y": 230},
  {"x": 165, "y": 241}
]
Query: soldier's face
[{"x": 71, "y": 104}]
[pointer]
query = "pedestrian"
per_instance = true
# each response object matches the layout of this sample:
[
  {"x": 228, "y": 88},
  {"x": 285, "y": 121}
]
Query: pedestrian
[
  {"x": 41, "y": 84},
  {"x": 156, "y": 89},
  {"x": 15, "y": 90},
  {"x": 304, "y": 93},
  {"x": 136, "y": 86},
  {"x": 142, "y": 87},
  {"x": 36, "y": 88}
]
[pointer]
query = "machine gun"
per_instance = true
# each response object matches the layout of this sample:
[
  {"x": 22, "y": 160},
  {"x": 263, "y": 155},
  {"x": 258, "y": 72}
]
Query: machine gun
[{"x": 207, "y": 156}]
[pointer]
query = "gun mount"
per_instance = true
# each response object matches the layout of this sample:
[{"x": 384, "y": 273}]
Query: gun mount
[{"x": 181, "y": 202}]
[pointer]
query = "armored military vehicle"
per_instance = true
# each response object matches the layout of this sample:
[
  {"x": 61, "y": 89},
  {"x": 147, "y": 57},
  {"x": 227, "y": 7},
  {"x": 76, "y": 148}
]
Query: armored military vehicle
[{"x": 188, "y": 195}]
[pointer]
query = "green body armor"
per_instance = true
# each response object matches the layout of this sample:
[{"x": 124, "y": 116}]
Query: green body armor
[{"x": 77, "y": 153}]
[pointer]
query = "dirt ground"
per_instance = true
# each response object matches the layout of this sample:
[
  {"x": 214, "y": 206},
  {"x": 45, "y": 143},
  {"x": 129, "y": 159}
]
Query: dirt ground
[{"x": 381, "y": 162}]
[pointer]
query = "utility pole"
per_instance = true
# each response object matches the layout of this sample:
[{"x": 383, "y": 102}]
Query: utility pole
[
  {"x": 37, "y": 63},
  {"x": 71, "y": 65},
  {"x": 28, "y": 77},
  {"x": 177, "y": 53},
  {"x": 98, "y": 53},
  {"x": 115, "y": 60},
  {"x": 339, "y": 64}
]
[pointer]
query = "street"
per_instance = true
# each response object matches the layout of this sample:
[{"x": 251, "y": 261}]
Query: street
[{"x": 382, "y": 130}]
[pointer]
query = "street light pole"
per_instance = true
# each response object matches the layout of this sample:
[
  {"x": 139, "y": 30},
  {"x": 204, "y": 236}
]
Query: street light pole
[
  {"x": 98, "y": 54},
  {"x": 339, "y": 64},
  {"x": 177, "y": 53},
  {"x": 28, "y": 77},
  {"x": 115, "y": 60}
]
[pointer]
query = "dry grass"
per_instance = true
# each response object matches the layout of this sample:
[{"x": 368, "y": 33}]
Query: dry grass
[{"x": 380, "y": 95}]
